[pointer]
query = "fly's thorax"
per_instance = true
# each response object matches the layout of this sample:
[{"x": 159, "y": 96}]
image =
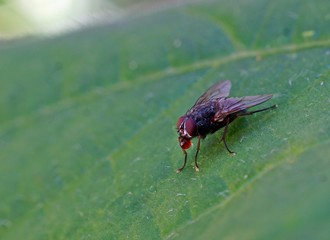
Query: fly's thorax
[
  {"x": 204, "y": 118},
  {"x": 204, "y": 113},
  {"x": 206, "y": 110}
]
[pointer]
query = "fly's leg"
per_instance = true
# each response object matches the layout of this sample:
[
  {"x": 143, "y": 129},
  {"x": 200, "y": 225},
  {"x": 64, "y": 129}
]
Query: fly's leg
[
  {"x": 223, "y": 138},
  {"x": 185, "y": 161},
  {"x": 241, "y": 115},
  {"x": 197, "y": 151},
  {"x": 250, "y": 113}
]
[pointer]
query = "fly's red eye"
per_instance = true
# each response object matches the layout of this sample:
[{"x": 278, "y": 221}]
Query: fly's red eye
[
  {"x": 180, "y": 120},
  {"x": 191, "y": 127}
]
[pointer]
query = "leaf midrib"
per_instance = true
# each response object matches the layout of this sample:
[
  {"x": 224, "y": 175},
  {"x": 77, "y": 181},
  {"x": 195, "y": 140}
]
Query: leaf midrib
[{"x": 22, "y": 120}]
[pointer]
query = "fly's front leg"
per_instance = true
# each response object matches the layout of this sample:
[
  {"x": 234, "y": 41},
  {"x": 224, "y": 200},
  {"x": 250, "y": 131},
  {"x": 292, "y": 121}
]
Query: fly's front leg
[
  {"x": 197, "y": 151},
  {"x": 185, "y": 161}
]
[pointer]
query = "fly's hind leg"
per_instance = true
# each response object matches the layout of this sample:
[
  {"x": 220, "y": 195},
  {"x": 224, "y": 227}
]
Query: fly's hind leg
[
  {"x": 223, "y": 138},
  {"x": 241, "y": 114}
]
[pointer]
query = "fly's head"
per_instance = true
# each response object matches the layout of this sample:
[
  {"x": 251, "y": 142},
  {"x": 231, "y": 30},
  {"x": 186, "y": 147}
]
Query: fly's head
[{"x": 187, "y": 129}]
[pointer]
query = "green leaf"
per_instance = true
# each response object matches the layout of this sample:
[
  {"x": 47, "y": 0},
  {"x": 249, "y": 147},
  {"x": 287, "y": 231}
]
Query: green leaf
[
  {"x": 88, "y": 144},
  {"x": 289, "y": 200}
]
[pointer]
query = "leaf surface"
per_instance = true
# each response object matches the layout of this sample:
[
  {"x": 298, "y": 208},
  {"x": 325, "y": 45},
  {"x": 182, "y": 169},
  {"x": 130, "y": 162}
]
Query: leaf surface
[{"x": 88, "y": 144}]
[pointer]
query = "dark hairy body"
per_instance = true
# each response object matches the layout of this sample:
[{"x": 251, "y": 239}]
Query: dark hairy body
[{"x": 203, "y": 116}]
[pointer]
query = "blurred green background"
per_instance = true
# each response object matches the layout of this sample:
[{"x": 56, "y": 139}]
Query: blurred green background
[{"x": 89, "y": 104}]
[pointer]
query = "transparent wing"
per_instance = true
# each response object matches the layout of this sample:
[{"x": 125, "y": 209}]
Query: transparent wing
[
  {"x": 232, "y": 105},
  {"x": 218, "y": 90}
]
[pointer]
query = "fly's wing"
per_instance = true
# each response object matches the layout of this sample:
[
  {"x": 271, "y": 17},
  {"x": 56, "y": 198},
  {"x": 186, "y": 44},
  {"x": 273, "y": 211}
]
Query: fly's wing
[
  {"x": 232, "y": 105},
  {"x": 218, "y": 90}
]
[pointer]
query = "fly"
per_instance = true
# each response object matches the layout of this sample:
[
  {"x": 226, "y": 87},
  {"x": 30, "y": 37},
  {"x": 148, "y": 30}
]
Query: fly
[{"x": 211, "y": 112}]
